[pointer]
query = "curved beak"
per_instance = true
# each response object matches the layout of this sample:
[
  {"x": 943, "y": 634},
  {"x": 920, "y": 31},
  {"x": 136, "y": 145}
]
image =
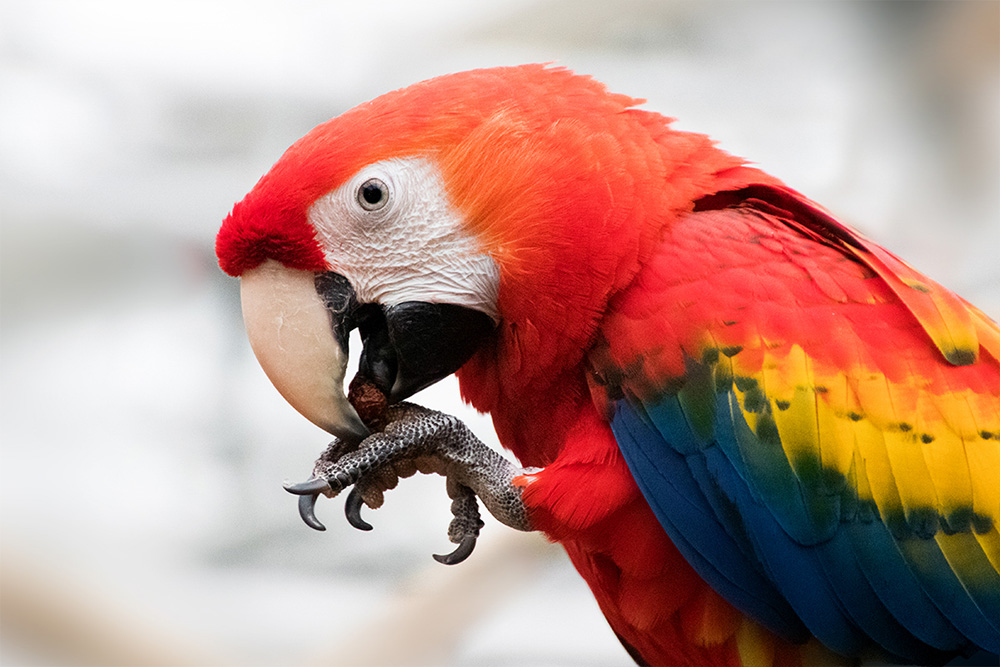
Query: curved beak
[
  {"x": 429, "y": 341},
  {"x": 298, "y": 324},
  {"x": 303, "y": 354}
]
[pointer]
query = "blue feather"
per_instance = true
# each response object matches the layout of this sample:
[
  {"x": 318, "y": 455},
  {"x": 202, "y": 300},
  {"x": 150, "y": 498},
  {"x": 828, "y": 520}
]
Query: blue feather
[
  {"x": 691, "y": 524},
  {"x": 866, "y": 609},
  {"x": 897, "y": 587},
  {"x": 769, "y": 475},
  {"x": 792, "y": 567},
  {"x": 925, "y": 557}
]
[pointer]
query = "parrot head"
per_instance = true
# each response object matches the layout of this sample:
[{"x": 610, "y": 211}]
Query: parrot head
[{"x": 486, "y": 214}]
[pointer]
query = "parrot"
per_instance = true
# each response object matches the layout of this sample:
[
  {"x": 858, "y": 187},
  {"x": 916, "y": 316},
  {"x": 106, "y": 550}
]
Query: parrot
[{"x": 760, "y": 437}]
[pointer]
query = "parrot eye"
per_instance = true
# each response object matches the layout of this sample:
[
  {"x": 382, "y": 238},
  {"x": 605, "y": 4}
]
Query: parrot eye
[{"x": 373, "y": 194}]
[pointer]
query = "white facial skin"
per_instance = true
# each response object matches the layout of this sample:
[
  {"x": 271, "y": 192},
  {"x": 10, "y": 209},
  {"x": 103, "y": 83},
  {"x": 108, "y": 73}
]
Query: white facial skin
[
  {"x": 405, "y": 244},
  {"x": 408, "y": 246}
]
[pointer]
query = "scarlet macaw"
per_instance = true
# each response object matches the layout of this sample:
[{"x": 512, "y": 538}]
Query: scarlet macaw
[{"x": 760, "y": 437}]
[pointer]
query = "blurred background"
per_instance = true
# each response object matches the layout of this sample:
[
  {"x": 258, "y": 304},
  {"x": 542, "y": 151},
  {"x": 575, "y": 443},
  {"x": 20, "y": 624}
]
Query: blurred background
[{"x": 142, "y": 519}]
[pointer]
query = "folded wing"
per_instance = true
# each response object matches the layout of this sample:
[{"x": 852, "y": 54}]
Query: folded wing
[{"x": 816, "y": 426}]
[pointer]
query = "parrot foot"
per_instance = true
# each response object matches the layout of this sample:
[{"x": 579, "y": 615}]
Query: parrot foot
[
  {"x": 464, "y": 528},
  {"x": 416, "y": 439}
]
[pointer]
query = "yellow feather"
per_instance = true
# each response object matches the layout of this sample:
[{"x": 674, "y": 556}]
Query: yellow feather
[
  {"x": 754, "y": 644},
  {"x": 969, "y": 563},
  {"x": 955, "y": 408},
  {"x": 984, "y": 466},
  {"x": 858, "y": 478},
  {"x": 872, "y": 393},
  {"x": 793, "y": 406},
  {"x": 875, "y": 474},
  {"x": 948, "y": 466},
  {"x": 834, "y": 430},
  {"x": 990, "y": 544},
  {"x": 913, "y": 480}
]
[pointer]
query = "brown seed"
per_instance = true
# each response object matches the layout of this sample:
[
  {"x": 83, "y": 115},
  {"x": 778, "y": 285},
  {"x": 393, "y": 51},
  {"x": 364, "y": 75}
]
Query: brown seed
[{"x": 369, "y": 401}]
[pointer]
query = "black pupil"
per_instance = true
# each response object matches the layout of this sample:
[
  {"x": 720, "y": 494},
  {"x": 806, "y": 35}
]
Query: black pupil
[{"x": 372, "y": 192}]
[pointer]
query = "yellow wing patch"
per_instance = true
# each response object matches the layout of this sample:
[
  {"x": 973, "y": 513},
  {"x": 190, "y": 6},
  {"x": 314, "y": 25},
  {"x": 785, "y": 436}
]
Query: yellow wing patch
[{"x": 930, "y": 455}]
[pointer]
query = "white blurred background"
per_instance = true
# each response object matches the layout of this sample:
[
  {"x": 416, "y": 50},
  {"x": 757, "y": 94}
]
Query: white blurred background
[{"x": 143, "y": 451}]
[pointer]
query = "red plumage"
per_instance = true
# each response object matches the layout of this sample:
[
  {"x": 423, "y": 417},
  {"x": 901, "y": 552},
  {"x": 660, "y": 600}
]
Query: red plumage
[{"x": 628, "y": 253}]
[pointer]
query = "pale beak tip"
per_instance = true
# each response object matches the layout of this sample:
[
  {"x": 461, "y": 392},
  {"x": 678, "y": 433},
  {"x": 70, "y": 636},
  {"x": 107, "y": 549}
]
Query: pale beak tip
[{"x": 350, "y": 428}]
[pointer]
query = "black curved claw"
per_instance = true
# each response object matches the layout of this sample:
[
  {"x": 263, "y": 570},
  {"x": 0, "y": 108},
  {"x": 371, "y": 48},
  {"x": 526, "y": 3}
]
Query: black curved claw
[
  {"x": 352, "y": 508},
  {"x": 461, "y": 552},
  {"x": 307, "y": 510},
  {"x": 310, "y": 487}
]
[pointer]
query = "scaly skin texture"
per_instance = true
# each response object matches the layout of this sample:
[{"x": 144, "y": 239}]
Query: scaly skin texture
[{"x": 416, "y": 439}]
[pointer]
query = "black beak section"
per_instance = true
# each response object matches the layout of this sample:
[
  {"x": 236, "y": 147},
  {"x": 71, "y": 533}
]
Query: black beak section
[
  {"x": 431, "y": 341},
  {"x": 340, "y": 300},
  {"x": 408, "y": 346}
]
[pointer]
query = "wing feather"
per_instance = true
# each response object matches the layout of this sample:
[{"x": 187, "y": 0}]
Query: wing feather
[{"x": 828, "y": 449}]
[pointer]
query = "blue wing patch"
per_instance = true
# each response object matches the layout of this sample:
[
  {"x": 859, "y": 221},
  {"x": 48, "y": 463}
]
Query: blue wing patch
[{"x": 759, "y": 544}]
